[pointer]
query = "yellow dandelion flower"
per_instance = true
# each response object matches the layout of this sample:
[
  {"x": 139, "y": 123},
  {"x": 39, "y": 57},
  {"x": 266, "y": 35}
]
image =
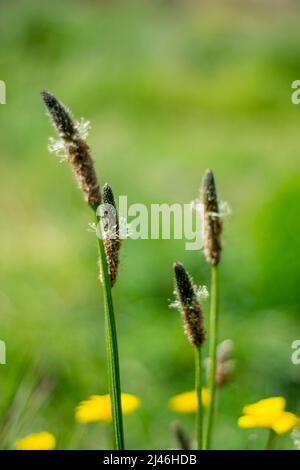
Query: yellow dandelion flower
[
  {"x": 39, "y": 441},
  {"x": 187, "y": 402},
  {"x": 98, "y": 408},
  {"x": 268, "y": 413}
]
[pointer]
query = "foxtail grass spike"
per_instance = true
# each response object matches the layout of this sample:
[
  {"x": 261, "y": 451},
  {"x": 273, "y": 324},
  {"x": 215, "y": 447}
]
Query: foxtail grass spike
[
  {"x": 76, "y": 150},
  {"x": 189, "y": 306},
  {"x": 212, "y": 223},
  {"x": 111, "y": 238}
]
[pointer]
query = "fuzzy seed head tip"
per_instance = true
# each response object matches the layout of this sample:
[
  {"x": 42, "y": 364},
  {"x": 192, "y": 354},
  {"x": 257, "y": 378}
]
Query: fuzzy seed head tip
[
  {"x": 48, "y": 98},
  {"x": 210, "y": 198},
  {"x": 59, "y": 116},
  {"x": 179, "y": 270},
  {"x": 183, "y": 284},
  {"x": 108, "y": 195}
]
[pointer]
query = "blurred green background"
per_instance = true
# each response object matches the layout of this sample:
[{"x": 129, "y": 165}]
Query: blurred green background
[{"x": 170, "y": 88}]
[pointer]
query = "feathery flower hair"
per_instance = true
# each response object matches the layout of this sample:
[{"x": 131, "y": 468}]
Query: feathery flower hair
[
  {"x": 110, "y": 227},
  {"x": 189, "y": 306},
  {"x": 212, "y": 223},
  {"x": 74, "y": 145}
]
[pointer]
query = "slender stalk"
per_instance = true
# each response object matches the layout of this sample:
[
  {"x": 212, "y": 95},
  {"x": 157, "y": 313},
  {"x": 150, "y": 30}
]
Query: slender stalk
[
  {"x": 73, "y": 141},
  {"x": 111, "y": 350},
  {"x": 212, "y": 355},
  {"x": 271, "y": 440},
  {"x": 198, "y": 387}
]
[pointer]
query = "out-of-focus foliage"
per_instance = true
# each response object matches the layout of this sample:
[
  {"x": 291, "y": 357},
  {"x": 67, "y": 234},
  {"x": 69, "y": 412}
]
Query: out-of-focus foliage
[{"x": 171, "y": 88}]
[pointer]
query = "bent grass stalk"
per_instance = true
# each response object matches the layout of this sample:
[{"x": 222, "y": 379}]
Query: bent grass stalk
[
  {"x": 198, "y": 388},
  {"x": 111, "y": 349},
  {"x": 72, "y": 141},
  {"x": 212, "y": 354}
]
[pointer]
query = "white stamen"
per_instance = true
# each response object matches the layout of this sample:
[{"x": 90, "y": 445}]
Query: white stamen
[
  {"x": 83, "y": 128},
  {"x": 58, "y": 147}
]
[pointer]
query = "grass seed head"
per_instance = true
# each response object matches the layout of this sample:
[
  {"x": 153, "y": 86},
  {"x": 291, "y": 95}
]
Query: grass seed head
[
  {"x": 189, "y": 306},
  {"x": 111, "y": 239},
  {"x": 74, "y": 145},
  {"x": 212, "y": 222}
]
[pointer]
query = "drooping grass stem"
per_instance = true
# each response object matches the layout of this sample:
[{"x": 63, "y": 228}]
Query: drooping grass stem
[
  {"x": 111, "y": 349},
  {"x": 198, "y": 388},
  {"x": 214, "y": 296}
]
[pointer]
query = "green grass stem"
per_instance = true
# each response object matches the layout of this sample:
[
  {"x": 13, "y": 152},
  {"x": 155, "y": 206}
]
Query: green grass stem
[
  {"x": 111, "y": 350},
  {"x": 214, "y": 299},
  {"x": 198, "y": 388}
]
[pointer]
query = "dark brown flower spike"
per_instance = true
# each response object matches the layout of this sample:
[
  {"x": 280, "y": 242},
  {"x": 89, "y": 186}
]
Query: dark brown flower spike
[
  {"x": 188, "y": 304},
  {"x": 212, "y": 223},
  {"x": 74, "y": 145},
  {"x": 111, "y": 239}
]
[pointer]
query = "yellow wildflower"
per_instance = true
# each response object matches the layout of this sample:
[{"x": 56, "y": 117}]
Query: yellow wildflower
[
  {"x": 268, "y": 413},
  {"x": 187, "y": 402},
  {"x": 39, "y": 441},
  {"x": 98, "y": 408}
]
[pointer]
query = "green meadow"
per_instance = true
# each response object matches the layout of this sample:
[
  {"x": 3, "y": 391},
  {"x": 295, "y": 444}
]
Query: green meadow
[{"x": 170, "y": 89}]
